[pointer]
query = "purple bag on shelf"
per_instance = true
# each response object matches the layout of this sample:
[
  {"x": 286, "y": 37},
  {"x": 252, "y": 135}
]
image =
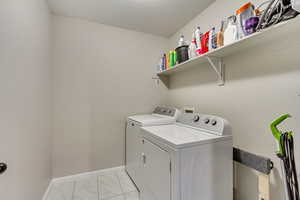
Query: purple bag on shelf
[{"x": 251, "y": 24}]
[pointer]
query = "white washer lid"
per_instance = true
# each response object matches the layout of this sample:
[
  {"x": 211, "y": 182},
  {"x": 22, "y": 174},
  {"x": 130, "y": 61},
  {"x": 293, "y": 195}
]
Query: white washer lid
[
  {"x": 179, "y": 136},
  {"x": 152, "y": 120}
]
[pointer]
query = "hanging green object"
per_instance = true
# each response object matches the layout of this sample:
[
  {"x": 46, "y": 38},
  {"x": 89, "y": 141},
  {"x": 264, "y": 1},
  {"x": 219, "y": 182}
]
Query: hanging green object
[
  {"x": 286, "y": 155},
  {"x": 278, "y": 134}
]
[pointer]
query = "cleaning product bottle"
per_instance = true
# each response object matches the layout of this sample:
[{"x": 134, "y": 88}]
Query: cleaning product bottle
[
  {"x": 245, "y": 12},
  {"x": 220, "y": 36},
  {"x": 175, "y": 57},
  {"x": 231, "y": 32},
  {"x": 164, "y": 62},
  {"x": 209, "y": 40},
  {"x": 213, "y": 38},
  {"x": 159, "y": 65},
  {"x": 172, "y": 61},
  {"x": 181, "y": 41},
  {"x": 204, "y": 42},
  {"x": 193, "y": 47},
  {"x": 198, "y": 36},
  {"x": 167, "y": 61}
]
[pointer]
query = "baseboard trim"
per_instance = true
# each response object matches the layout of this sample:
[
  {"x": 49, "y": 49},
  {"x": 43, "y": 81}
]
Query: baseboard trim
[{"x": 84, "y": 174}]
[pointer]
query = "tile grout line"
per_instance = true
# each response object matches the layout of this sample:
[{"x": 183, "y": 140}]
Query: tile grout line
[
  {"x": 111, "y": 197},
  {"x": 119, "y": 181},
  {"x": 100, "y": 183},
  {"x": 123, "y": 193},
  {"x": 98, "y": 186},
  {"x": 73, "y": 192}
]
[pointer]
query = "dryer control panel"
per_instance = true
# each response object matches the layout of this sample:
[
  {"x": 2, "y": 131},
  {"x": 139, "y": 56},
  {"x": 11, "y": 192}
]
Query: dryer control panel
[
  {"x": 165, "y": 111},
  {"x": 213, "y": 124}
]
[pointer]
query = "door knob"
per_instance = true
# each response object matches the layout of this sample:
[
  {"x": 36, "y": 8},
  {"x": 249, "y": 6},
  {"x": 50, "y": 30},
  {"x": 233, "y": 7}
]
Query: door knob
[{"x": 3, "y": 168}]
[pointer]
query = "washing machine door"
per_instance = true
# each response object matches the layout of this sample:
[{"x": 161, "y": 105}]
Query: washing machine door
[
  {"x": 157, "y": 173},
  {"x": 134, "y": 152}
]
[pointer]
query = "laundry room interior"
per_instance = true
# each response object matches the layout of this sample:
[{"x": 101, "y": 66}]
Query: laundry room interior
[{"x": 149, "y": 100}]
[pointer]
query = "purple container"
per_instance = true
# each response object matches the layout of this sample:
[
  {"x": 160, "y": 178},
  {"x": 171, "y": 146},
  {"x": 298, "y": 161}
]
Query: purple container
[{"x": 251, "y": 24}]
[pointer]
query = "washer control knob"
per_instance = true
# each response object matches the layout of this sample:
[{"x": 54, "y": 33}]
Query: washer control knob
[
  {"x": 206, "y": 121},
  {"x": 214, "y": 122},
  {"x": 196, "y": 118}
]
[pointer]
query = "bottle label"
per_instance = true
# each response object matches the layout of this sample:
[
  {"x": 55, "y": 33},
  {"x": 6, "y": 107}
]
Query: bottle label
[{"x": 214, "y": 41}]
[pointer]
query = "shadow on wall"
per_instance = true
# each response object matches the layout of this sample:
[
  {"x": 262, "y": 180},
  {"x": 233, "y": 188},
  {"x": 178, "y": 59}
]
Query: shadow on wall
[
  {"x": 246, "y": 182},
  {"x": 274, "y": 57},
  {"x": 276, "y": 186}
]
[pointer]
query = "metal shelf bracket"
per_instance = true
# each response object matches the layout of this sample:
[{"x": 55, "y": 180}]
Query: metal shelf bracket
[{"x": 218, "y": 65}]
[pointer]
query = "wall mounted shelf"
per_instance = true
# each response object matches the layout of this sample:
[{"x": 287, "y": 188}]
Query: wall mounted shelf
[{"x": 215, "y": 57}]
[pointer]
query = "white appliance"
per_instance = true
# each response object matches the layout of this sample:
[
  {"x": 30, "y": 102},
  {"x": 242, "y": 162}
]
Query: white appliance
[
  {"x": 133, "y": 161},
  {"x": 188, "y": 160}
]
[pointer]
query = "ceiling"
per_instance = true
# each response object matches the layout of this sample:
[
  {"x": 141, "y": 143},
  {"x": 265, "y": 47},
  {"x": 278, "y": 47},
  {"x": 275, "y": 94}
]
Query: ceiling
[{"x": 159, "y": 17}]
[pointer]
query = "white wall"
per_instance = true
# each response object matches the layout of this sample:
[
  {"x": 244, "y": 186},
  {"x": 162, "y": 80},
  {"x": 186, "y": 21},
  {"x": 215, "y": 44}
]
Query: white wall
[
  {"x": 25, "y": 99},
  {"x": 261, "y": 84},
  {"x": 101, "y": 75}
]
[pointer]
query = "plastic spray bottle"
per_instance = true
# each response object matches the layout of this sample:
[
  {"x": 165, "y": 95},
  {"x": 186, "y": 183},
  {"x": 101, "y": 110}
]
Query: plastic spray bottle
[
  {"x": 193, "y": 47},
  {"x": 198, "y": 36},
  {"x": 212, "y": 43}
]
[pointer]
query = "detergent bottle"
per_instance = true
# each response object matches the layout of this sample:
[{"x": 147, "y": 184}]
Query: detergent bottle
[
  {"x": 205, "y": 43},
  {"x": 242, "y": 14},
  {"x": 231, "y": 32}
]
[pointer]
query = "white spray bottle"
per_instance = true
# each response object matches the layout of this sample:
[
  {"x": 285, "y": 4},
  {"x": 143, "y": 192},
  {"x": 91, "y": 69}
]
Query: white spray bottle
[
  {"x": 198, "y": 36},
  {"x": 193, "y": 47}
]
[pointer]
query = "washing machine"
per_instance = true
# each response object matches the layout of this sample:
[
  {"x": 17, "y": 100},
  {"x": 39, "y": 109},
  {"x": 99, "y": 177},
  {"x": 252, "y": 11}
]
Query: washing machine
[
  {"x": 134, "y": 156},
  {"x": 188, "y": 160}
]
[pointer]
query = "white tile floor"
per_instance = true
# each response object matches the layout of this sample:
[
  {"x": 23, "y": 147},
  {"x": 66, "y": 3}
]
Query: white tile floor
[{"x": 109, "y": 185}]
